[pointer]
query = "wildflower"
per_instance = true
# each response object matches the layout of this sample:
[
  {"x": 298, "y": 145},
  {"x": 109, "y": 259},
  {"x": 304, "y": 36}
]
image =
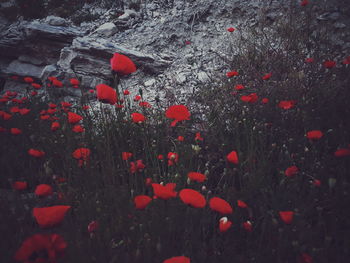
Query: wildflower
[
  {"x": 232, "y": 74},
  {"x": 122, "y": 64},
  {"x": 329, "y": 64},
  {"x": 82, "y": 155},
  {"x": 50, "y": 216},
  {"x": 41, "y": 248},
  {"x": 15, "y": 131},
  {"x": 93, "y": 226},
  {"x": 242, "y": 204},
  {"x": 142, "y": 201},
  {"x": 346, "y": 61},
  {"x": 180, "y": 138},
  {"x": 43, "y": 190},
  {"x": 265, "y": 101},
  {"x": 24, "y": 111},
  {"x": 55, "y": 126},
  {"x": 220, "y": 205},
  {"x": 192, "y": 198},
  {"x": 66, "y": 104},
  {"x": 305, "y": 258},
  {"x": 198, "y": 137},
  {"x": 309, "y": 60},
  {"x": 251, "y": 98},
  {"x": 286, "y": 216},
  {"x": 247, "y": 225},
  {"x": 232, "y": 157},
  {"x": 304, "y": 3},
  {"x": 74, "y": 82},
  {"x": 126, "y": 92},
  {"x": 160, "y": 157},
  {"x": 316, "y": 182},
  {"x": 137, "y": 98},
  {"x": 164, "y": 192},
  {"x": 172, "y": 158},
  {"x": 148, "y": 181},
  {"x": 145, "y": 104},
  {"x": 291, "y": 171},
  {"x": 78, "y": 129},
  {"x": 74, "y": 118},
  {"x": 28, "y": 80},
  {"x": 224, "y": 224},
  {"x": 231, "y": 29},
  {"x": 197, "y": 177},
  {"x": 187, "y": 42},
  {"x": 180, "y": 259},
  {"x": 36, "y": 85},
  {"x": 286, "y": 104},
  {"x": 36, "y": 153},
  {"x": 178, "y": 113},
  {"x": 239, "y": 87},
  {"x": 57, "y": 83},
  {"x": 19, "y": 185},
  {"x": 314, "y": 135},
  {"x": 126, "y": 156},
  {"x": 267, "y": 76},
  {"x": 138, "y": 117},
  {"x": 106, "y": 94},
  {"x": 342, "y": 152},
  {"x": 137, "y": 166}
]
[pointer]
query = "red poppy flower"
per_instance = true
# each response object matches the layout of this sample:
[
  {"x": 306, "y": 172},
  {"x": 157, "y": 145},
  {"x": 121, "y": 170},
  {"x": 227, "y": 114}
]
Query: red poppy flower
[
  {"x": 36, "y": 85},
  {"x": 286, "y": 104},
  {"x": 198, "y": 137},
  {"x": 93, "y": 226},
  {"x": 187, "y": 42},
  {"x": 160, "y": 157},
  {"x": 55, "y": 126},
  {"x": 43, "y": 190},
  {"x": 309, "y": 60},
  {"x": 291, "y": 171},
  {"x": 138, "y": 117},
  {"x": 197, "y": 177},
  {"x": 145, "y": 104},
  {"x": 81, "y": 154},
  {"x": 314, "y": 135},
  {"x": 329, "y": 64},
  {"x": 286, "y": 216},
  {"x": 220, "y": 205},
  {"x": 28, "y": 79},
  {"x": 36, "y": 153},
  {"x": 74, "y": 118},
  {"x": 15, "y": 131},
  {"x": 304, "y": 3},
  {"x": 78, "y": 129},
  {"x": 142, "y": 201},
  {"x": 66, "y": 104},
  {"x": 50, "y": 216},
  {"x": 122, "y": 64},
  {"x": 164, "y": 192},
  {"x": 180, "y": 138},
  {"x": 247, "y": 225},
  {"x": 5, "y": 116},
  {"x": 57, "y": 83},
  {"x": 192, "y": 198},
  {"x": 239, "y": 87},
  {"x": 232, "y": 74},
  {"x": 137, "y": 166},
  {"x": 74, "y": 82},
  {"x": 178, "y": 113},
  {"x": 232, "y": 157},
  {"x": 342, "y": 152},
  {"x": 180, "y": 259},
  {"x": 231, "y": 29},
  {"x": 267, "y": 76},
  {"x": 241, "y": 204},
  {"x": 316, "y": 182},
  {"x": 126, "y": 156},
  {"x": 346, "y": 61},
  {"x": 265, "y": 101},
  {"x": 106, "y": 94},
  {"x": 224, "y": 224},
  {"x": 148, "y": 181},
  {"x": 251, "y": 98},
  {"x": 41, "y": 248},
  {"x": 126, "y": 92},
  {"x": 172, "y": 158},
  {"x": 305, "y": 258},
  {"x": 18, "y": 185}
]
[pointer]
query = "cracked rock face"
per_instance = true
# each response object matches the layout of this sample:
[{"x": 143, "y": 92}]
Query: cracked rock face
[{"x": 176, "y": 45}]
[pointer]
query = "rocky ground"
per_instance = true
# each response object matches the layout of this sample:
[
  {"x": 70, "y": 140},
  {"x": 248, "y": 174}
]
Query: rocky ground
[{"x": 178, "y": 47}]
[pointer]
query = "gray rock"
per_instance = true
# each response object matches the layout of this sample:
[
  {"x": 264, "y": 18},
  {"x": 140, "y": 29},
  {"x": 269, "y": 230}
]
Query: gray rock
[
  {"x": 128, "y": 13},
  {"x": 339, "y": 25},
  {"x": 150, "y": 82},
  {"x": 107, "y": 29},
  {"x": 56, "y": 21},
  {"x": 17, "y": 67}
]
